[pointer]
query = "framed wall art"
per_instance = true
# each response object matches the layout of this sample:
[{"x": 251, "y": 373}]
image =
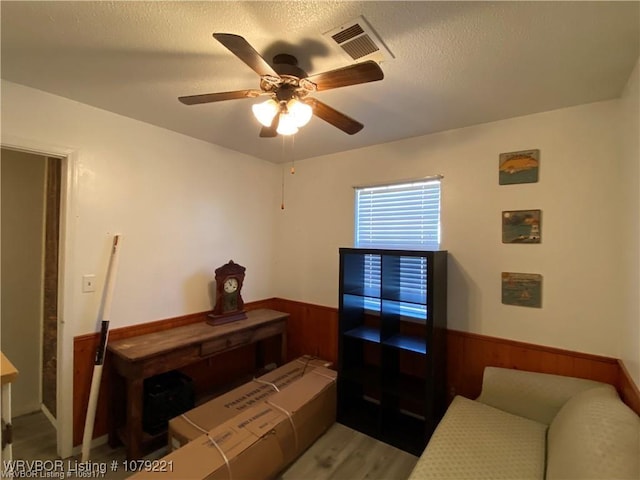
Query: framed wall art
[
  {"x": 519, "y": 167},
  {"x": 522, "y": 289},
  {"x": 521, "y": 226}
]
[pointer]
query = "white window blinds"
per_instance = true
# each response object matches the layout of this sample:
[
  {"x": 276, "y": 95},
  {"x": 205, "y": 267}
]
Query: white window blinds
[{"x": 401, "y": 216}]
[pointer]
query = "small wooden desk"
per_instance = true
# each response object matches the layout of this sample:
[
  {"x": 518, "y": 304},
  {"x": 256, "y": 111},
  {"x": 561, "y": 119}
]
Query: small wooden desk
[{"x": 144, "y": 356}]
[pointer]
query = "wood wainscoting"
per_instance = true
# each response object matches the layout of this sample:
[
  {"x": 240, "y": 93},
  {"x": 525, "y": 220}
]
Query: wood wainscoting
[
  {"x": 313, "y": 329},
  {"x": 469, "y": 353}
]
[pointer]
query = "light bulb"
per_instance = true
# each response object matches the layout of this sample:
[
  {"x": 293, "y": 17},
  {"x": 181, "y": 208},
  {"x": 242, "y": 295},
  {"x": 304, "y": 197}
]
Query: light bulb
[
  {"x": 301, "y": 112},
  {"x": 265, "y": 111},
  {"x": 287, "y": 125}
]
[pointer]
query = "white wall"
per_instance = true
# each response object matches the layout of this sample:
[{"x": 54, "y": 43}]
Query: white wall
[
  {"x": 577, "y": 193},
  {"x": 23, "y": 188},
  {"x": 183, "y": 206},
  {"x": 630, "y": 240}
]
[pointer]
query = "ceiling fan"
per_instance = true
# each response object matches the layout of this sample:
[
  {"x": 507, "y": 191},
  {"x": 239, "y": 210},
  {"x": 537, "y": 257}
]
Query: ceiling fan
[{"x": 288, "y": 87}]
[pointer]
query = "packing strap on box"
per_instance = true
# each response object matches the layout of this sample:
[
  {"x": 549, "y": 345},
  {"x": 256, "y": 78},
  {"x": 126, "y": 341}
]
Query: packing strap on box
[
  {"x": 323, "y": 375},
  {"x": 305, "y": 362},
  {"x": 293, "y": 425},
  {"x": 213, "y": 442},
  {"x": 267, "y": 383}
]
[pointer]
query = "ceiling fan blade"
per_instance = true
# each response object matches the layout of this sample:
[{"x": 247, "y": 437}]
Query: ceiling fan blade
[
  {"x": 364, "y": 72},
  {"x": 245, "y": 52},
  {"x": 218, "y": 97},
  {"x": 334, "y": 117},
  {"x": 271, "y": 131}
]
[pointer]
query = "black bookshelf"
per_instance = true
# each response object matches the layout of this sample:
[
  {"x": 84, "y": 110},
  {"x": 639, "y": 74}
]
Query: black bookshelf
[{"x": 392, "y": 345}]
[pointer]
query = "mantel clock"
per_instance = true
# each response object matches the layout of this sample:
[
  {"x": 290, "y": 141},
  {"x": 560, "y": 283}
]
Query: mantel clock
[{"x": 229, "y": 305}]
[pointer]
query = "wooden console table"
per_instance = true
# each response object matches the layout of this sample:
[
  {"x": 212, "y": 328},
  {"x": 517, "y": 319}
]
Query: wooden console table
[{"x": 137, "y": 358}]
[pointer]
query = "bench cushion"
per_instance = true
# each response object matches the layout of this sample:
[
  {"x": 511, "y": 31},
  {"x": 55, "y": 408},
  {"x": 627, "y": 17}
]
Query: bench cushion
[
  {"x": 476, "y": 441},
  {"x": 594, "y": 436}
]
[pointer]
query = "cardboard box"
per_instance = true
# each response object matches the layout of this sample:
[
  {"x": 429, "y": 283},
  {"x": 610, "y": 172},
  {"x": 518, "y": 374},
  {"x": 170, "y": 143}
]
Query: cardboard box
[
  {"x": 214, "y": 412},
  {"x": 260, "y": 441}
]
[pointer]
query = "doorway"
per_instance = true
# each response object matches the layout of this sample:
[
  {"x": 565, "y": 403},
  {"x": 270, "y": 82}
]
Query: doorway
[
  {"x": 30, "y": 240},
  {"x": 35, "y": 191}
]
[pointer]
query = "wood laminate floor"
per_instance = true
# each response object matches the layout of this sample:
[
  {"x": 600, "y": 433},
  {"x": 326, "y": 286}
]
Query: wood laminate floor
[
  {"x": 345, "y": 454},
  {"x": 340, "y": 454},
  {"x": 34, "y": 438}
]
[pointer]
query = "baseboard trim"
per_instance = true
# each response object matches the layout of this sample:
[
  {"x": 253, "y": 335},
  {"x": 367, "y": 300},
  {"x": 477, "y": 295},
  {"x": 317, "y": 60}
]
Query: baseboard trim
[{"x": 49, "y": 415}]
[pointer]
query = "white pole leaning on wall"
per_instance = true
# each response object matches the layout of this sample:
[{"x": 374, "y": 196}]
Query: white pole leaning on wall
[{"x": 100, "y": 352}]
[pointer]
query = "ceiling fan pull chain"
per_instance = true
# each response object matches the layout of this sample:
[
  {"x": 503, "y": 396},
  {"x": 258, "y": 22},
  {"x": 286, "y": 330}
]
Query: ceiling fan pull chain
[
  {"x": 282, "y": 202},
  {"x": 293, "y": 161}
]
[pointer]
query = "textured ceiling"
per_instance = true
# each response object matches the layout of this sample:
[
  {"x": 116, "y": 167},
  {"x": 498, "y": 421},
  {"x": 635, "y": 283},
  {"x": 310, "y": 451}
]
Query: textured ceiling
[{"x": 456, "y": 63}]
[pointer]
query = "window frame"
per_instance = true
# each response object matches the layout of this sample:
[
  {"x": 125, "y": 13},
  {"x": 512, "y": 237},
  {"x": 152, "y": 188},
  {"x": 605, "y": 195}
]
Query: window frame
[{"x": 426, "y": 184}]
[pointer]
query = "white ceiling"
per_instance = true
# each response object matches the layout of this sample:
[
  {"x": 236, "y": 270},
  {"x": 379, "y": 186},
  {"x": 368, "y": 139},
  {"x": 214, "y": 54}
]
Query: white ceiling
[{"x": 456, "y": 63}]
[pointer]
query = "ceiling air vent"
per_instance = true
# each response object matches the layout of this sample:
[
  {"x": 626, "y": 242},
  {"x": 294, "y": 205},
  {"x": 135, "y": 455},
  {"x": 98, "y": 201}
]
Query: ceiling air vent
[{"x": 359, "y": 42}]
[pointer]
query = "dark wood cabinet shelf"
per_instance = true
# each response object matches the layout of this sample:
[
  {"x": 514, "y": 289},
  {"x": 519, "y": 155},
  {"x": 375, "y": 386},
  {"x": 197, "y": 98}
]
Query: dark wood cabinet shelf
[
  {"x": 406, "y": 342},
  {"x": 405, "y": 386},
  {"x": 364, "y": 332},
  {"x": 366, "y": 376},
  {"x": 405, "y": 432},
  {"x": 407, "y": 310},
  {"x": 398, "y": 298},
  {"x": 364, "y": 292},
  {"x": 392, "y": 343},
  {"x": 404, "y": 297},
  {"x": 364, "y": 415}
]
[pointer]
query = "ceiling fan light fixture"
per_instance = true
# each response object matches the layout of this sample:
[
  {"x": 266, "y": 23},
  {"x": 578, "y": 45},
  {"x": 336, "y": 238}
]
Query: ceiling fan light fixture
[
  {"x": 287, "y": 124},
  {"x": 265, "y": 111},
  {"x": 287, "y": 85},
  {"x": 300, "y": 111}
]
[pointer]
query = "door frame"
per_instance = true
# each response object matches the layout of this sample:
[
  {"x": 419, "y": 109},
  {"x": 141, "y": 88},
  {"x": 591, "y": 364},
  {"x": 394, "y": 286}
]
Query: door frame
[{"x": 66, "y": 274}]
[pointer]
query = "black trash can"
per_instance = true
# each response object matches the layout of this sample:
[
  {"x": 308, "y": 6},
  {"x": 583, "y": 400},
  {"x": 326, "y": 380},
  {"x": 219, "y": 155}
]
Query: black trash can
[{"x": 166, "y": 396}]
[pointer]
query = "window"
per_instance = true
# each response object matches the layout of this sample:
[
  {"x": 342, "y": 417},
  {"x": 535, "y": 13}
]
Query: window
[{"x": 399, "y": 216}]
